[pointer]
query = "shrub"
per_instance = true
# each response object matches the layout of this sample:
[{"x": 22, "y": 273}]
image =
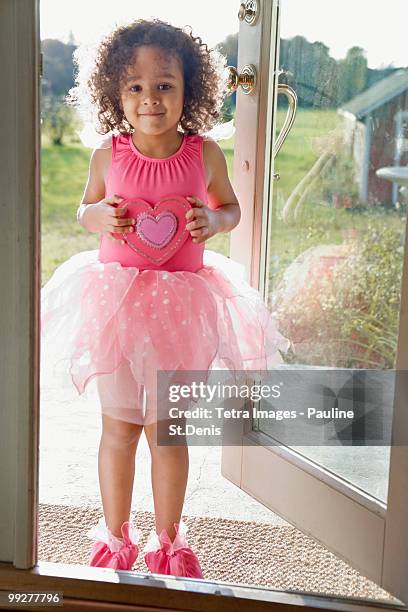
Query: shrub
[{"x": 339, "y": 304}]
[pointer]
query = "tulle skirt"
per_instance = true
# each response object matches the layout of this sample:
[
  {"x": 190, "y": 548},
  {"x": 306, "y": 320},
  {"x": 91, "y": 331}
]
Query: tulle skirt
[{"x": 120, "y": 325}]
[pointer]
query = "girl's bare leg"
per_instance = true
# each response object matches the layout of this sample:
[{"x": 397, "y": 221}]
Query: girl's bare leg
[
  {"x": 169, "y": 480},
  {"x": 116, "y": 466}
]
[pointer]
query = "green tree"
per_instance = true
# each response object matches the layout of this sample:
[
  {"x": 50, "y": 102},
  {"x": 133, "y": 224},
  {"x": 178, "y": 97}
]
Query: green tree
[
  {"x": 58, "y": 69},
  {"x": 58, "y": 119},
  {"x": 229, "y": 48},
  {"x": 353, "y": 74}
]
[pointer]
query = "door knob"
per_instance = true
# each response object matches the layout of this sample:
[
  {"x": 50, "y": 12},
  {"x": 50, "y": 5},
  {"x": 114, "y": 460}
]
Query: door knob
[
  {"x": 248, "y": 11},
  {"x": 247, "y": 79}
]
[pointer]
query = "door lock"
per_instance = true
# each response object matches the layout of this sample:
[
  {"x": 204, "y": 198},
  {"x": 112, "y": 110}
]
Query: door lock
[{"x": 248, "y": 11}]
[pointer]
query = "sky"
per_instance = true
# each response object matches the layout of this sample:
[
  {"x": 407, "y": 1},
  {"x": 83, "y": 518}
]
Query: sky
[{"x": 379, "y": 27}]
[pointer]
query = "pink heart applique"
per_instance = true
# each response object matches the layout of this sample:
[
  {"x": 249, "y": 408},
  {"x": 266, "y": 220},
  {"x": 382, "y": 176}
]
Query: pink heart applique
[
  {"x": 156, "y": 231},
  {"x": 160, "y": 230}
]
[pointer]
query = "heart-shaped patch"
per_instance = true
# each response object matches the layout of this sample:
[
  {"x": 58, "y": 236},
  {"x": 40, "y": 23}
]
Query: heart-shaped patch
[
  {"x": 156, "y": 231},
  {"x": 160, "y": 230}
]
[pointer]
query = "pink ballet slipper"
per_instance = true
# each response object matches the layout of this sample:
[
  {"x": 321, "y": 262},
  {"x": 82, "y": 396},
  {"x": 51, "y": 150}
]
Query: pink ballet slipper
[
  {"x": 113, "y": 552},
  {"x": 175, "y": 559}
]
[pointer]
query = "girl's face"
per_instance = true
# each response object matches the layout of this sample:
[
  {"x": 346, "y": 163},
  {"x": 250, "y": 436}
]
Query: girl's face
[{"x": 152, "y": 91}]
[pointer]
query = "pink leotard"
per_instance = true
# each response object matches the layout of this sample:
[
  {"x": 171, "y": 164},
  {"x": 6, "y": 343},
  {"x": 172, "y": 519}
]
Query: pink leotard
[{"x": 133, "y": 175}]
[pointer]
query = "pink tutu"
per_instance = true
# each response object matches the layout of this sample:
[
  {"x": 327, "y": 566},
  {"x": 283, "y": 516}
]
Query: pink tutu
[{"x": 121, "y": 325}]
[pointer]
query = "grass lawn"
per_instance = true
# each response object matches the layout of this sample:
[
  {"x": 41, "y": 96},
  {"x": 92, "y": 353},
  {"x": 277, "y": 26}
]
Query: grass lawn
[{"x": 317, "y": 222}]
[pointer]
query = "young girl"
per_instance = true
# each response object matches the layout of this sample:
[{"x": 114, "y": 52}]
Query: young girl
[{"x": 151, "y": 298}]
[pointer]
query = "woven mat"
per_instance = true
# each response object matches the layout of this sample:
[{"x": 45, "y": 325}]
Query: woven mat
[{"x": 238, "y": 552}]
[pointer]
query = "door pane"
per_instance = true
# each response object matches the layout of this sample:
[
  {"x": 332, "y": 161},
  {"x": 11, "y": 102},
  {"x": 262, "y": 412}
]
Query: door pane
[{"x": 337, "y": 230}]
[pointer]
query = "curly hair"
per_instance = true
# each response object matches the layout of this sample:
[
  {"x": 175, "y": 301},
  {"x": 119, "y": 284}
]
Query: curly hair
[{"x": 98, "y": 80}]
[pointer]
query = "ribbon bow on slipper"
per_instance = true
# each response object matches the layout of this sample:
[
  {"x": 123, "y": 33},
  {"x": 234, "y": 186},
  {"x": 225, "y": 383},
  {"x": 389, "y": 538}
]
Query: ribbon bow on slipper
[
  {"x": 162, "y": 556},
  {"x": 113, "y": 552}
]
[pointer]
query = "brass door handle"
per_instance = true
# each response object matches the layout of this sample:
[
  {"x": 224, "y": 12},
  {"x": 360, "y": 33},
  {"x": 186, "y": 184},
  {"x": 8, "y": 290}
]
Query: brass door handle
[
  {"x": 247, "y": 78},
  {"x": 290, "y": 116}
]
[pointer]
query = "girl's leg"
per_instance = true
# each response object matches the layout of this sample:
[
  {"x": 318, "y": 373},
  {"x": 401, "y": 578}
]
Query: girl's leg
[
  {"x": 116, "y": 466},
  {"x": 169, "y": 480},
  {"x": 121, "y": 401},
  {"x": 169, "y": 469}
]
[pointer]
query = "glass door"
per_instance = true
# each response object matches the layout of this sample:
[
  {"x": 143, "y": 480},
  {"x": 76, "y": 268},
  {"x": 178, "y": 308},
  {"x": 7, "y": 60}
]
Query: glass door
[{"x": 330, "y": 262}]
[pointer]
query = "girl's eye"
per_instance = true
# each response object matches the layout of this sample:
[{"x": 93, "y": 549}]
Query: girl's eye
[{"x": 165, "y": 86}]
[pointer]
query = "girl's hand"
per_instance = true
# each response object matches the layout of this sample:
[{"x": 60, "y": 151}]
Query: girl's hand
[
  {"x": 202, "y": 221},
  {"x": 104, "y": 218}
]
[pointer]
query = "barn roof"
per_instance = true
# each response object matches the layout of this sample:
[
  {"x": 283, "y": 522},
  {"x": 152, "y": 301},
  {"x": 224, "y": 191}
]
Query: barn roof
[{"x": 377, "y": 95}]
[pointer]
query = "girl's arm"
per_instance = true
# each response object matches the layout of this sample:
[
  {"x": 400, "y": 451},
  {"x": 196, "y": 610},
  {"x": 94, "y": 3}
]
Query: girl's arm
[
  {"x": 95, "y": 187},
  {"x": 223, "y": 212},
  {"x": 97, "y": 213},
  {"x": 221, "y": 195}
]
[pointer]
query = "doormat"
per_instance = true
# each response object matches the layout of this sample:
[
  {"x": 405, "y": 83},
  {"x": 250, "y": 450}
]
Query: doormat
[{"x": 237, "y": 552}]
